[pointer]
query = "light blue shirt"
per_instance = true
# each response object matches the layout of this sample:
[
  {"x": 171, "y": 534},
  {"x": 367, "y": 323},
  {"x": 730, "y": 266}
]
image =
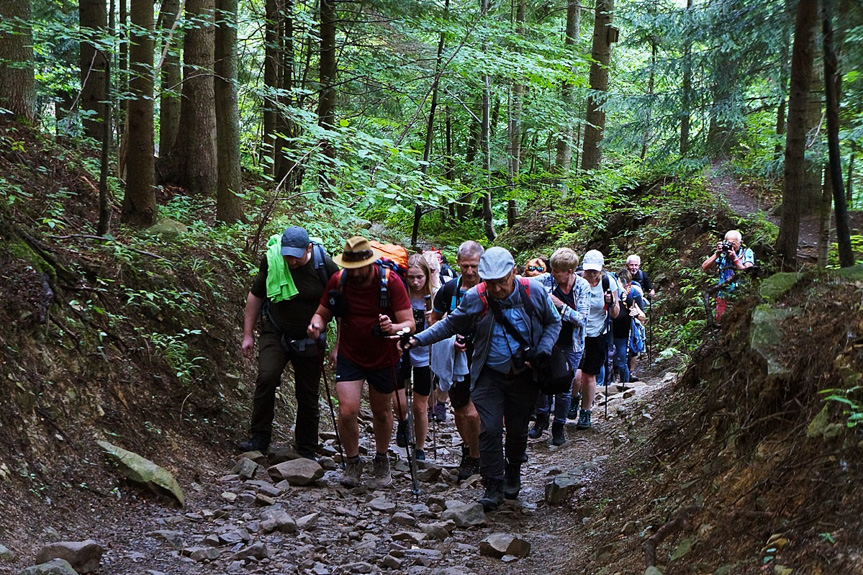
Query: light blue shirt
[{"x": 503, "y": 345}]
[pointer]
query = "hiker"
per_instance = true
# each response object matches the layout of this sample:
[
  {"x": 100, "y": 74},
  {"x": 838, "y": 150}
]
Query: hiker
[
  {"x": 631, "y": 308},
  {"x": 535, "y": 267},
  {"x": 371, "y": 303},
  {"x": 514, "y": 326},
  {"x": 446, "y": 300},
  {"x": 633, "y": 264},
  {"x": 416, "y": 360},
  {"x": 570, "y": 295},
  {"x": 284, "y": 295},
  {"x": 729, "y": 257},
  {"x": 603, "y": 305}
]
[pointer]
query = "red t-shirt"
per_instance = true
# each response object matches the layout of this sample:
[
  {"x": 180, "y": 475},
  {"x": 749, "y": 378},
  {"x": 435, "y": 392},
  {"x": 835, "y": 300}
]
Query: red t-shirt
[{"x": 356, "y": 341}]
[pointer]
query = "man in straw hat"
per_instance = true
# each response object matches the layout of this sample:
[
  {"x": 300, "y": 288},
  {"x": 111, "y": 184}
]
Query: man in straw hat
[
  {"x": 503, "y": 389},
  {"x": 371, "y": 303}
]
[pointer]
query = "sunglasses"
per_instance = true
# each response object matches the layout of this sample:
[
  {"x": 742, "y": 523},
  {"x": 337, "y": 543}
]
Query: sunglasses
[{"x": 535, "y": 269}]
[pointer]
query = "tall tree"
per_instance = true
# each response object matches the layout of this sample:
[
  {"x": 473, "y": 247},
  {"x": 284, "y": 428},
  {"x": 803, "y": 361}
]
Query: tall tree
[
  {"x": 327, "y": 98},
  {"x": 192, "y": 163},
  {"x": 17, "y": 83},
  {"x": 139, "y": 202},
  {"x": 272, "y": 57},
  {"x": 171, "y": 76},
  {"x": 516, "y": 105},
  {"x": 563, "y": 149},
  {"x": 485, "y": 139},
  {"x": 229, "y": 208},
  {"x": 92, "y": 19},
  {"x": 795, "y": 142},
  {"x": 603, "y": 36},
  {"x": 686, "y": 96}
]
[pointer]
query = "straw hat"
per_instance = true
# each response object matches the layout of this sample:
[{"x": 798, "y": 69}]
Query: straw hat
[{"x": 358, "y": 253}]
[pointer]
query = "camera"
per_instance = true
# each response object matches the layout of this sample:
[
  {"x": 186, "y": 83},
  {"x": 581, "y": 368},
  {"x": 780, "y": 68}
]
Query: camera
[
  {"x": 420, "y": 319},
  {"x": 521, "y": 355},
  {"x": 338, "y": 303},
  {"x": 727, "y": 246},
  {"x": 463, "y": 339}
]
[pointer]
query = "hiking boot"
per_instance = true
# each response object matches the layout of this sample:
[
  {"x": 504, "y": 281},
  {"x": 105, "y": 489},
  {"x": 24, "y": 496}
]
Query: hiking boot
[
  {"x": 255, "y": 443},
  {"x": 439, "y": 410},
  {"x": 383, "y": 477},
  {"x": 469, "y": 465},
  {"x": 573, "y": 407},
  {"x": 402, "y": 434},
  {"x": 511, "y": 481},
  {"x": 420, "y": 455},
  {"x": 353, "y": 470},
  {"x": 583, "y": 420},
  {"x": 493, "y": 496},
  {"x": 540, "y": 425},
  {"x": 633, "y": 377},
  {"x": 558, "y": 435}
]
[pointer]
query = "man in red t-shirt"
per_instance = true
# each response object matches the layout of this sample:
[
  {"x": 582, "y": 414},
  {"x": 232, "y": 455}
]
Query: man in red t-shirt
[{"x": 371, "y": 303}]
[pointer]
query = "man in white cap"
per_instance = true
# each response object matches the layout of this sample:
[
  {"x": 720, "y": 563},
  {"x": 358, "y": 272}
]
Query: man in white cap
[
  {"x": 284, "y": 295},
  {"x": 502, "y": 381},
  {"x": 604, "y": 304},
  {"x": 371, "y": 303}
]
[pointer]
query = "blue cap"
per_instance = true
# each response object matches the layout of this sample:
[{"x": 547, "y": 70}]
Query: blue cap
[
  {"x": 295, "y": 241},
  {"x": 495, "y": 264}
]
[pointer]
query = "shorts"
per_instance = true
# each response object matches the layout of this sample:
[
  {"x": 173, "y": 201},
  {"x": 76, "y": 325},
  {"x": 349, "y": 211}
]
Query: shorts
[
  {"x": 595, "y": 354},
  {"x": 382, "y": 380},
  {"x": 422, "y": 380},
  {"x": 459, "y": 393}
]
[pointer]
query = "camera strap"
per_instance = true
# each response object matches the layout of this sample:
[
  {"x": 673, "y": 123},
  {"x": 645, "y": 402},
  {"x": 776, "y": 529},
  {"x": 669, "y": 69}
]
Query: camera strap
[{"x": 507, "y": 325}]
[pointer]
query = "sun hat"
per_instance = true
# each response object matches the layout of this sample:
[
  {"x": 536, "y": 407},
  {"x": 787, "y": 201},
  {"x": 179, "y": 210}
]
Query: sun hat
[
  {"x": 358, "y": 253},
  {"x": 593, "y": 260},
  {"x": 295, "y": 241},
  {"x": 495, "y": 264}
]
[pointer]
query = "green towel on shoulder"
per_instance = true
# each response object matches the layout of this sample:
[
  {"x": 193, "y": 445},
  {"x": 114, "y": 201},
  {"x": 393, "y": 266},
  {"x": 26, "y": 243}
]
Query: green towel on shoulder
[{"x": 280, "y": 284}]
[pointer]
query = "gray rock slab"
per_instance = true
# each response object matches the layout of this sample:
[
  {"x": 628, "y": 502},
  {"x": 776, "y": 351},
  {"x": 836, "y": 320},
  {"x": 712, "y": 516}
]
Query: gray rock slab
[
  {"x": 300, "y": 471},
  {"x": 55, "y": 567},
  {"x": 83, "y": 556},
  {"x": 144, "y": 472},
  {"x": 500, "y": 544},
  {"x": 245, "y": 468},
  {"x": 464, "y": 514}
]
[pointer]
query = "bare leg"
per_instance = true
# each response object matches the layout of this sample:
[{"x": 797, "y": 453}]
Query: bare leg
[
  {"x": 421, "y": 419},
  {"x": 349, "y": 394},
  {"x": 382, "y": 418}
]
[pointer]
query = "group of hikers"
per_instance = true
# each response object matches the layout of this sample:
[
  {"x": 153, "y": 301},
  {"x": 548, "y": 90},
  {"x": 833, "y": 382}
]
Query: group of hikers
[{"x": 480, "y": 338}]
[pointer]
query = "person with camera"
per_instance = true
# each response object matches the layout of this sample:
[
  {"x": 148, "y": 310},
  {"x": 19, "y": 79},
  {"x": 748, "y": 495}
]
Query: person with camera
[
  {"x": 284, "y": 295},
  {"x": 446, "y": 300},
  {"x": 502, "y": 312},
  {"x": 569, "y": 294},
  {"x": 729, "y": 257},
  {"x": 371, "y": 304},
  {"x": 602, "y": 308}
]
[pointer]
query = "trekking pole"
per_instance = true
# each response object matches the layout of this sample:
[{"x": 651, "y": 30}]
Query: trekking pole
[
  {"x": 434, "y": 420},
  {"x": 404, "y": 336},
  {"x": 649, "y": 313},
  {"x": 332, "y": 409},
  {"x": 609, "y": 350}
]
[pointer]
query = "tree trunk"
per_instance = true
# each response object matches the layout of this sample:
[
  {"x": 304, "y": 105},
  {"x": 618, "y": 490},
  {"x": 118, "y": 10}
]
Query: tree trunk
[
  {"x": 832, "y": 80},
  {"x": 193, "y": 161},
  {"x": 17, "y": 82},
  {"x": 171, "y": 77},
  {"x": 449, "y": 161},
  {"x": 92, "y": 19},
  {"x": 272, "y": 58},
  {"x": 601, "y": 53},
  {"x": 123, "y": 75},
  {"x": 105, "y": 156},
  {"x": 823, "y": 250},
  {"x": 229, "y": 208},
  {"x": 139, "y": 202},
  {"x": 563, "y": 148},
  {"x": 687, "y": 95},
  {"x": 327, "y": 98},
  {"x": 286, "y": 169},
  {"x": 515, "y": 110},
  {"x": 784, "y": 56},
  {"x": 648, "y": 130},
  {"x": 795, "y": 141},
  {"x": 485, "y": 141}
]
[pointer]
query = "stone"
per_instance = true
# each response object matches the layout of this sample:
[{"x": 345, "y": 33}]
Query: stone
[
  {"x": 308, "y": 522},
  {"x": 436, "y": 530},
  {"x": 381, "y": 504},
  {"x": 277, "y": 519},
  {"x": 773, "y": 287},
  {"x": 464, "y": 514},
  {"x": 201, "y": 554},
  {"x": 358, "y": 567},
  {"x": 55, "y": 567},
  {"x": 257, "y": 551},
  {"x": 500, "y": 544},
  {"x": 561, "y": 487},
  {"x": 6, "y": 554},
  {"x": 429, "y": 474},
  {"x": 144, "y": 472},
  {"x": 262, "y": 500},
  {"x": 166, "y": 228},
  {"x": 767, "y": 337},
  {"x": 392, "y": 562},
  {"x": 229, "y": 496},
  {"x": 83, "y": 556},
  {"x": 234, "y": 537},
  {"x": 175, "y": 539},
  {"x": 402, "y": 518},
  {"x": 819, "y": 423},
  {"x": 245, "y": 468},
  {"x": 410, "y": 536},
  {"x": 652, "y": 570},
  {"x": 300, "y": 471}
]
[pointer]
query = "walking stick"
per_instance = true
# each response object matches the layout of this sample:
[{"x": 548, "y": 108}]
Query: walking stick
[
  {"x": 404, "y": 336},
  {"x": 649, "y": 313},
  {"x": 332, "y": 409},
  {"x": 608, "y": 364},
  {"x": 433, "y": 396}
]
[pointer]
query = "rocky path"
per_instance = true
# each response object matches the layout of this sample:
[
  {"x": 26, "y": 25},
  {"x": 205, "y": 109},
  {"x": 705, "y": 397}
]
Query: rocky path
[{"x": 243, "y": 516}]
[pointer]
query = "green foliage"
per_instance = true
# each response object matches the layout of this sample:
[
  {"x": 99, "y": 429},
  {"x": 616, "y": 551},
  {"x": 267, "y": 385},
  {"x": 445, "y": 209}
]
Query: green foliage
[
  {"x": 851, "y": 400},
  {"x": 175, "y": 351}
]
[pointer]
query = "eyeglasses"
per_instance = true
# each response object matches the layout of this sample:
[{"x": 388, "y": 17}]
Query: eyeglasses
[{"x": 535, "y": 269}]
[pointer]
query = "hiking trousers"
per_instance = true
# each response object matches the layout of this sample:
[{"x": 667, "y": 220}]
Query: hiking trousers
[
  {"x": 272, "y": 361},
  {"x": 503, "y": 399}
]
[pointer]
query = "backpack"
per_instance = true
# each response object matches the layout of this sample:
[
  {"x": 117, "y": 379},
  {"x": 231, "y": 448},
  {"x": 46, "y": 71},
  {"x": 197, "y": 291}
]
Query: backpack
[
  {"x": 523, "y": 288},
  {"x": 395, "y": 257},
  {"x": 384, "y": 272},
  {"x": 319, "y": 257}
]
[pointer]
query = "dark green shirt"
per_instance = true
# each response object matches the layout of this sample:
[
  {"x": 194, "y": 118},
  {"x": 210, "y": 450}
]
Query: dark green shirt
[{"x": 292, "y": 317}]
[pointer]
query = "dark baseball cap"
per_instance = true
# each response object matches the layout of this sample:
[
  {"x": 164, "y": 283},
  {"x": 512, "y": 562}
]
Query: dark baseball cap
[{"x": 295, "y": 240}]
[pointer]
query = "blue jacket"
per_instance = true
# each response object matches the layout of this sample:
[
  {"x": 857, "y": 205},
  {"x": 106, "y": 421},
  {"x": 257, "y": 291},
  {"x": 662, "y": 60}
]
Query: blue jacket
[{"x": 473, "y": 316}]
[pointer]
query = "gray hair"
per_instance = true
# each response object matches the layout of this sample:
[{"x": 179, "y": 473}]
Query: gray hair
[
  {"x": 734, "y": 234},
  {"x": 634, "y": 258},
  {"x": 470, "y": 248}
]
